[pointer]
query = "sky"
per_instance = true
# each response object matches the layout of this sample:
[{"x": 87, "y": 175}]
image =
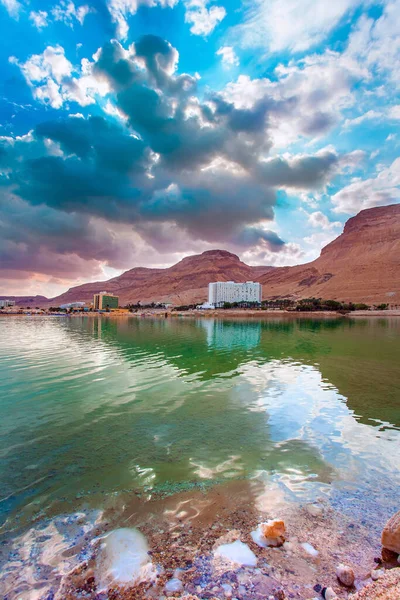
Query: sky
[{"x": 136, "y": 132}]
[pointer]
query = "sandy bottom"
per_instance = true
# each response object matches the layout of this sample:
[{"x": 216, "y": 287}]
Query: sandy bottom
[{"x": 182, "y": 531}]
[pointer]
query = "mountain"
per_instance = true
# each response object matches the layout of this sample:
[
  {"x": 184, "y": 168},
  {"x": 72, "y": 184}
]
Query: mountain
[
  {"x": 361, "y": 265},
  {"x": 32, "y": 301},
  {"x": 185, "y": 282}
]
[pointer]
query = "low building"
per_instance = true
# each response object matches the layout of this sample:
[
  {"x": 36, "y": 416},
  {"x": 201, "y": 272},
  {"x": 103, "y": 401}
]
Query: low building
[
  {"x": 220, "y": 292},
  {"x": 104, "y": 301},
  {"x": 7, "y": 303},
  {"x": 73, "y": 305}
]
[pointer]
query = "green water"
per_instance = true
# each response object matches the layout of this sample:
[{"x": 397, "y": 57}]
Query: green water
[{"x": 91, "y": 407}]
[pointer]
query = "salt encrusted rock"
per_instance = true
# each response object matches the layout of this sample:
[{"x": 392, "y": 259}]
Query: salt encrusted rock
[
  {"x": 271, "y": 533},
  {"x": 377, "y": 574},
  {"x": 391, "y": 534},
  {"x": 237, "y": 553},
  {"x": 345, "y": 575},
  {"x": 123, "y": 559}
]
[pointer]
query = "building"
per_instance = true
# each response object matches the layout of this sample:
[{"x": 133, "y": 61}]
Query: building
[
  {"x": 73, "y": 305},
  {"x": 102, "y": 301},
  {"x": 229, "y": 291},
  {"x": 6, "y": 303}
]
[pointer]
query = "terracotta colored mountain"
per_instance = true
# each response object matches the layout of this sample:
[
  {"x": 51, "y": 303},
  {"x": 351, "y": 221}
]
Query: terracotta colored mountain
[
  {"x": 183, "y": 283},
  {"x": 361, "y": 265}
]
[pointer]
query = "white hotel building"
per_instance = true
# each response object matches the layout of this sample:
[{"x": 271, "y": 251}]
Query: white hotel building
[{"x": 229, "y": 291}]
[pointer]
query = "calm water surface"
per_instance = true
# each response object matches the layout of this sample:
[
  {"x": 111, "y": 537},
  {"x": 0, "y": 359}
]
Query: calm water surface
[{"x": 91, "y": 407}]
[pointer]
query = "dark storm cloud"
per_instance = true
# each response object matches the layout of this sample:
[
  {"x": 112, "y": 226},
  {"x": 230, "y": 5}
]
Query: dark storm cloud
[{"x": 199, "y": 166}]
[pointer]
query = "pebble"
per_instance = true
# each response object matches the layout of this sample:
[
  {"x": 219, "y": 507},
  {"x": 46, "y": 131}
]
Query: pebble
[
  {"x": 314, "y": 510},
  {"x": 376, "y": 574},
  {"x": 328, "y": 594},
  {"x": 345, "y": 575}
]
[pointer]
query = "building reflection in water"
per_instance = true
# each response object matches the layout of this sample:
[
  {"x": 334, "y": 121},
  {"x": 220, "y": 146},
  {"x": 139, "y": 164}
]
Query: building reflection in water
[{"x": 232, "y": 334}]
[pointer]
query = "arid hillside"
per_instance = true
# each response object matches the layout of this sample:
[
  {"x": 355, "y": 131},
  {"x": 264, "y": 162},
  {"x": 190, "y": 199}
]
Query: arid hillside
[
  {"x": 183, "y": 283},
  {"x": 361, "y": 265}
]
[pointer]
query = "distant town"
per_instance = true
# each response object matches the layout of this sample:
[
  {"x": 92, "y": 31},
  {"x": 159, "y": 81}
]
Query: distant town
[{"x": 222, "y": 296}]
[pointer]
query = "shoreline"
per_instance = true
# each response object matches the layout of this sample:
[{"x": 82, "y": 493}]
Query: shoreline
[
  {"x": 183, "y": 531},
  {"x": 219, "y": 314}
]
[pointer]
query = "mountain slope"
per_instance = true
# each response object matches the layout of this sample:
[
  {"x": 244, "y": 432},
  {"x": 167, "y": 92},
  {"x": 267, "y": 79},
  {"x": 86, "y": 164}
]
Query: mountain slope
[
  {"x": 185, "y": 282},
  {"x": 361, "y": 265}
]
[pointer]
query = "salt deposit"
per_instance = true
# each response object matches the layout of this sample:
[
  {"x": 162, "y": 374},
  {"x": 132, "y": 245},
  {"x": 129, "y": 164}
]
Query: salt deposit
[
  {"x": 238, "y": 553},
  {"x": 123, "y": 559}
]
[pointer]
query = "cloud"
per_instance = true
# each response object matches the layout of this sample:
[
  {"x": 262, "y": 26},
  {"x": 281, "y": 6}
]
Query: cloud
[
  {"x": 368, "y": 116},
  {"x": 170, "y": 169},
  {"x": 121, "y": 10},
  {"x": 203, "y": 20},
  {"x": 39, "y": 18},
  {"x": 394, "y": 112},
  {"x": 228, "y": 55},
  {"x": 13, "y": 7},
  {"x": 320, "y": 220},
  {"x": 54, "y": 81},
  {"x": 295, "y": 25},
  {"x": 67, "y": 12},
  {"x": 375, "y": 191}
]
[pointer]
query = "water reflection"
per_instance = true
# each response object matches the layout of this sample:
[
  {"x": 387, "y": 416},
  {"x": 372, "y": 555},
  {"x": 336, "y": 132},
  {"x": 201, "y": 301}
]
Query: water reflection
[{"x": 94, "y": 406}]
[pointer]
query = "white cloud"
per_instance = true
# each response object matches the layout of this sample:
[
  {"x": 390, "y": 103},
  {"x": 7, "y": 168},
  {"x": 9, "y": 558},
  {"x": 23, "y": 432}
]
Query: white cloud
[
  {"x": 51, "y": 78},
  {"x": 39, "y": 18},
  {"x": 366, "y": 193},
  {"x": 203, "y": 20},
  {"x": 13, "y": 7},
  {"x": 67, "y": 12},
  {"x": 307, "y": 97},
  {"x": 121, "y": 10},
  {"x": 319, "y": 219},
  {"x": 295, "y": 25},
  {"x": 376, "y": 44},
  {"x": 394, "y": 112},
  {"x": 368, "y": 116},
  {"x": 228, "y": 55}
]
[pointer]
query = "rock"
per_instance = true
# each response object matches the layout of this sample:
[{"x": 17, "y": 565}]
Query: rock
[
  {"x": 386, "y": 588},
  {"x": 345, "y": 575},
  {"x": 377, "y": 574},
  {"x": 173, "y": 586},
  {"x": 391, "y": 534},
  {"x": 238, "y": 553},
  {"x": 388, "y": 556},
  {"x": 329, "y": 594},
  {"x": 123, "y": 560},
  {"x": 314, "y": 510},
  {"x": 271, "y": 533}
]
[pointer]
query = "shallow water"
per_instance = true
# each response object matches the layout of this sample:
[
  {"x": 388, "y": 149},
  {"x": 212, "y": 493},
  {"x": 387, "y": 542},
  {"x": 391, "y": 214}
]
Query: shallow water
[{"x": 91, "y": 408}]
